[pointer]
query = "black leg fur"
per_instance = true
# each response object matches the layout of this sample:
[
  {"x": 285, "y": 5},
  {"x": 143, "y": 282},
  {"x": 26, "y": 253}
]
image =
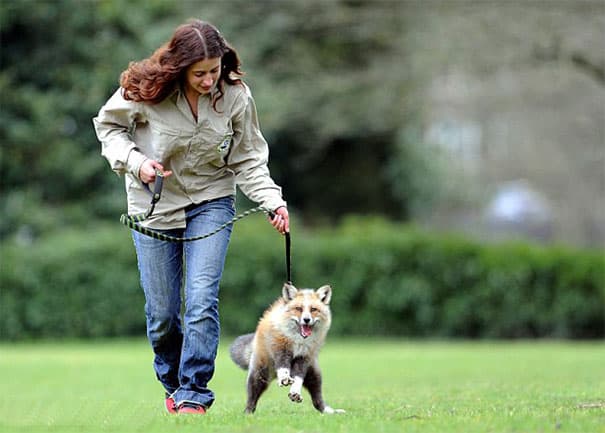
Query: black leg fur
[
  {"x": 258, "y": 382},
  {"x": 298, "y": 367},
  {"x": 313, "y": 384}
]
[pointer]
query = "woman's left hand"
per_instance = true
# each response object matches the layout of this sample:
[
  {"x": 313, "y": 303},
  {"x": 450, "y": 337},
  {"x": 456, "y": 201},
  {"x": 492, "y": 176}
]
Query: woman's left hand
[{"x": 281, "y": 220}]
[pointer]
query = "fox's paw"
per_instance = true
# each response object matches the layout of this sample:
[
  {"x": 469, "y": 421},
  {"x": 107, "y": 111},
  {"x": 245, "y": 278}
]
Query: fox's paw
[
  {"x": 295, "y": 396},
  {"x": 283, "y": 377},
  {"x": 329, "y": 411},
  {"x": 286, "y": 381},
  {"x": 295, "y": 393}
]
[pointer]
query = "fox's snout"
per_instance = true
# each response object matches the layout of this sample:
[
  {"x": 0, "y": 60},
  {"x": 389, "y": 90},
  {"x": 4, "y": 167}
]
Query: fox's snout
[
  {"x": 306, "y": 314},
  {"x": 305, "y": 319}
]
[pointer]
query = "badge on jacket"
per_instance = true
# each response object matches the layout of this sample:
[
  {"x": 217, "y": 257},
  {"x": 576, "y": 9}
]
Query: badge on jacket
[{"x": 224, "y": 146}]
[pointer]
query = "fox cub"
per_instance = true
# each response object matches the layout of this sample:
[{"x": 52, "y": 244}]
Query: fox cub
[{"x": 286, "y": 344}]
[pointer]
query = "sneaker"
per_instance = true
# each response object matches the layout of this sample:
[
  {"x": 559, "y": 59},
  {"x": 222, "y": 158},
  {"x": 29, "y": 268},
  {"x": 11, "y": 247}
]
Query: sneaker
[
  {"x": 191, "y": 408},
  {"x": 170, "y": 404}
]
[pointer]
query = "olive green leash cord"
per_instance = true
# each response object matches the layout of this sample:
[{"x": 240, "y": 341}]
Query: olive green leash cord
[{"x": 133, "y": 221}]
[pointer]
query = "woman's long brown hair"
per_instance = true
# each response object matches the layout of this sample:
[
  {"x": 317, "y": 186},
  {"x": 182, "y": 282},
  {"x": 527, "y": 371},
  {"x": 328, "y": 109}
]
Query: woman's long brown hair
[{"x": 152, "y": 80}]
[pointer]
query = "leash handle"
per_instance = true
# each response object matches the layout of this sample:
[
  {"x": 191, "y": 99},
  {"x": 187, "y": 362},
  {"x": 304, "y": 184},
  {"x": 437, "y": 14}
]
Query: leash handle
[{"x": 158, "y": 184}]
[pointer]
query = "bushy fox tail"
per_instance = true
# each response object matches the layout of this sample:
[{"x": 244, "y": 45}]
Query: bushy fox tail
[{"x": 241, "y": 350}]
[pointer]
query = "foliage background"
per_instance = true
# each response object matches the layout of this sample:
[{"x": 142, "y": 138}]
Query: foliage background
[
  {"x": 387, "y": 280},
  {"x": 349, "y": 94}
]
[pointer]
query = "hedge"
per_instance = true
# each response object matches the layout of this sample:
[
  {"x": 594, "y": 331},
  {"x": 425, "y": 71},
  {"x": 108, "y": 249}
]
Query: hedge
[{"x": 387, "y": 279}]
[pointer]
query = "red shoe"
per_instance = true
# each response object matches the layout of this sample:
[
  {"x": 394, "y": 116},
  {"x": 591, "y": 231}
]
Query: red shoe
[
  {"x": 191, "y": 408},
  {"x": 170, "y": 404}
]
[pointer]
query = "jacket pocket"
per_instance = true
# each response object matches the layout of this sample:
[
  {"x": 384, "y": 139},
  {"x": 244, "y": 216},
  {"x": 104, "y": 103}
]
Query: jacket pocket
[
  {"x": 210, "y": 147},
  {"x": 165, "y": 142}
]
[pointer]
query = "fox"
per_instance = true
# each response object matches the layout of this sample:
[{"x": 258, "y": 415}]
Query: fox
[{"x": 286, "y": 345}]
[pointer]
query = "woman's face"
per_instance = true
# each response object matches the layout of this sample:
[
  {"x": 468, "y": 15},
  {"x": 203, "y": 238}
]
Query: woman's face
[{"x": 202, "y": 76}]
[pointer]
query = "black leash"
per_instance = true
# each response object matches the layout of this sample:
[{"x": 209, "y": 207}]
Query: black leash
[
  {"x": 288, "y": 264},
  {"x": 133, "y": 222}
]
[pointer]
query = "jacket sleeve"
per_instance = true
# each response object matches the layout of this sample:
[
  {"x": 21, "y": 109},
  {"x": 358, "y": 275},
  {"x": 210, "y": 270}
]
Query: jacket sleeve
[
  {"x": 249, "y": 156},
  {"x": 113, "y": 126}
]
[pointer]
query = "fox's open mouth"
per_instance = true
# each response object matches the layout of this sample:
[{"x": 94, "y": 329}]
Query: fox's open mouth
[{"x": 306, "y": 330}]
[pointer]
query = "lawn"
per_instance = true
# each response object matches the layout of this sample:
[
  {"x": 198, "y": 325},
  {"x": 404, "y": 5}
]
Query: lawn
[{"x": 384, "y": 385}]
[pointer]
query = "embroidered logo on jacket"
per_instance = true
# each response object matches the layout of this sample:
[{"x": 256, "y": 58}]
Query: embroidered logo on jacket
[{"x": 224, "y": 146}]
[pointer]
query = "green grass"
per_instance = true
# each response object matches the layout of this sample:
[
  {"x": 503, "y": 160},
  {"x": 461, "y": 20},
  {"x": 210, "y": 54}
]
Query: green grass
[{"x": 385, "y": 386}]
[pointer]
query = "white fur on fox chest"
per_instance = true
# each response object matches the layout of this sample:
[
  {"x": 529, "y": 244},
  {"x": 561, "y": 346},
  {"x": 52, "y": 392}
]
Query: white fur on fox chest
[{"x": 307, "y": 347}]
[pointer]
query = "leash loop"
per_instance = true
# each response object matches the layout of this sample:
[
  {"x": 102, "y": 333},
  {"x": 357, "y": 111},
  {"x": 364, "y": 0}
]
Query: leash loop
[{"x": 133, "y": 222}]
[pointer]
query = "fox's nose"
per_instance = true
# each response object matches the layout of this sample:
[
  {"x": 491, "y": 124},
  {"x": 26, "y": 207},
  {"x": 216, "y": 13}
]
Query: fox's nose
[{"x": 306, "y": 320}]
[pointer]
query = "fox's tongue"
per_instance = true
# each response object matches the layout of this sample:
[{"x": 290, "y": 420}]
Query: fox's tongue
[{"x": 305, "y": 330}]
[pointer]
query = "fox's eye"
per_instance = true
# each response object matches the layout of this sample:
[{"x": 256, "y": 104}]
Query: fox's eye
[
  {"x": 313, "y": 310},
  {"x": 299, "y": 309}
]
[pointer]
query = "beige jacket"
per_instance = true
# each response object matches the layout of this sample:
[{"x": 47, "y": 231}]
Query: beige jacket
[{"x": 208, "y": 157}]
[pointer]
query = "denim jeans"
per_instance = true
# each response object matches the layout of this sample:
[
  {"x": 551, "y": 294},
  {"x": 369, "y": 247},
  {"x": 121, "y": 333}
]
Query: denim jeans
[{"x": 185, "y": 349}]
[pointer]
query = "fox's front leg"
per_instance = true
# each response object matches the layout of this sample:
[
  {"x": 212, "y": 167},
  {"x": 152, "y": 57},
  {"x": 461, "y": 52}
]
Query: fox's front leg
[
  {"x": 283, "y": 377},
  {"x": 299, "y": 369},
  {"x": 313, "y": 384},
  {"x": 282, "y": 368}
]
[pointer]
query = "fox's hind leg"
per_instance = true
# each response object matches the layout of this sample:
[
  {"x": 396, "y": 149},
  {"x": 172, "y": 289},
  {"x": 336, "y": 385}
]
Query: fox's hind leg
[
  {"x": 258, "y": 381},
  {"x": 313, "y": 384}
]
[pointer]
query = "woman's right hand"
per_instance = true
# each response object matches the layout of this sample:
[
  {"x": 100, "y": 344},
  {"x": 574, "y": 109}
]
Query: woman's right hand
[{"x": 148, "y": 168}]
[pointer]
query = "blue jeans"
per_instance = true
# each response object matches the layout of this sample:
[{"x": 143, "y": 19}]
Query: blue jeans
[{"x": 185, "y": 349}]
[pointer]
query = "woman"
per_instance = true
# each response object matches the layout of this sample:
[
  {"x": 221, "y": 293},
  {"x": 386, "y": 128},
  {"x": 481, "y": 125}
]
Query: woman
[{"x": 186, "y": 113}]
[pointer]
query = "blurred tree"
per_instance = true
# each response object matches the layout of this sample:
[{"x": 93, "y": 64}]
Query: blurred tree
[
  {"x": 332, "y": 87},
  {"x": 330, "y": 80},
  {"x": 58, "y": 66}
]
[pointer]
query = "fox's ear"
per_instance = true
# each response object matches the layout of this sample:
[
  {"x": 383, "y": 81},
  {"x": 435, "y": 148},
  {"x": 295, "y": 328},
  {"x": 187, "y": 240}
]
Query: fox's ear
[
  {"x": 288, "y": 292},
  {"x": 324, "y": 293}
]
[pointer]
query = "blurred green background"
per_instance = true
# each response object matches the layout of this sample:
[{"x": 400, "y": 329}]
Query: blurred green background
[{"x": 444, "y": 163}]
